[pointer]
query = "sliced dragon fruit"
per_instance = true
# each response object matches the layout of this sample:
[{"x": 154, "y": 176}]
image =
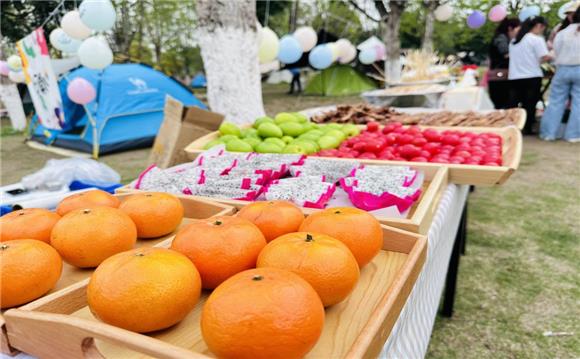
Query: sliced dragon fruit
[
  {"x": 332, "y": 170},
  {"x": 314, "y": 193},
  {"x": 225, "y": 192},
  {"x": 375, "y": 187},
  {"x": 156, "y": 179}
]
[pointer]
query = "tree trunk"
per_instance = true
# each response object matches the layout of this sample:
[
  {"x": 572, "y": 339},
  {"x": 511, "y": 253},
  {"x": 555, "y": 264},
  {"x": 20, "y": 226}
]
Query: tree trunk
[
  {"x": 392, "y": 42},
  {"x": 429, "y": 24},
  {"x": 229, "y": 49}
]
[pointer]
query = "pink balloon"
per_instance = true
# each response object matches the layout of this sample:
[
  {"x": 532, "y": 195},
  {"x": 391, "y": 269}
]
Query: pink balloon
[
  {"x": 380, "y": 52},
  {"x": 81, "y": 91},
  {"x": 497, "y": 13},
  {"x": 4, "y": 70}
]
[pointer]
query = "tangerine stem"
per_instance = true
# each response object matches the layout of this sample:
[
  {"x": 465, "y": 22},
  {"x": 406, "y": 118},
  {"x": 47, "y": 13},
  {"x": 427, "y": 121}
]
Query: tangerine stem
[
  {"x": 257, "y": 278},
  {"x": 309, "y": 238},
  {"x": 217, "y": 223},
  {"x": 4, "y": 246}
]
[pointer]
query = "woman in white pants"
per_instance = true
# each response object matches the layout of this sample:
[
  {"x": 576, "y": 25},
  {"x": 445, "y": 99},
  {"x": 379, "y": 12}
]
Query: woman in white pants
[{"x": 566, "y": 83}]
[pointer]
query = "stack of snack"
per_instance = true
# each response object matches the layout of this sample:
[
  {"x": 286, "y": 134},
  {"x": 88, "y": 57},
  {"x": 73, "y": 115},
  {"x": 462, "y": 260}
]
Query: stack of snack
[{"x": 362, "y": 114}]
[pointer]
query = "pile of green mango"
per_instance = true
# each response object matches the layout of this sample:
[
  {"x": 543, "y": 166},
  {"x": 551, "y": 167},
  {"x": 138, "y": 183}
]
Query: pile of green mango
[{"x": 285, "y": 133}]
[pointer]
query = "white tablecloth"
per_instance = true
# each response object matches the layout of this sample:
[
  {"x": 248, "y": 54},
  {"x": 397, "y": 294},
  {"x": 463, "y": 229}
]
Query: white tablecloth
[{"x": 412, "y": 331}]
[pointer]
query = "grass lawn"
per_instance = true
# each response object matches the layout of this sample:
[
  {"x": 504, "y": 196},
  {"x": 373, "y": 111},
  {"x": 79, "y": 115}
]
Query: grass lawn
[{"x": 521, "y": 274}]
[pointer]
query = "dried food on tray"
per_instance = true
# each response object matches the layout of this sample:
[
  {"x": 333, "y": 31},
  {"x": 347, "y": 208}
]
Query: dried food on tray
[{"x": 364, "y": 113}]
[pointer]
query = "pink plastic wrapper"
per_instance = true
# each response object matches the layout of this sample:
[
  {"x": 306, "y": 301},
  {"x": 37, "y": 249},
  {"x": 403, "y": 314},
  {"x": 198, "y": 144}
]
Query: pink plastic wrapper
[{"x": 401, "y": 197}]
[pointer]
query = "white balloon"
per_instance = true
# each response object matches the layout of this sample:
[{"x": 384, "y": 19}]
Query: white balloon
[
  {"x": 98, "y": 15},
  {"x": 95, "y": 53},
  {"x": 335, "y": 50},
  {"x": 348, "y": 55},
  {"x": 307, "y": 37},
  {"x": 73, "y": 26},
  {"x": 17, "y": 77},
  {"x": 269, "y": 44},
  {"x": 444, "y": 12},
  {"x": 14, "y": 63},
  {"x": 343, "y": 47},
  {"x": 61, "y": 41}
]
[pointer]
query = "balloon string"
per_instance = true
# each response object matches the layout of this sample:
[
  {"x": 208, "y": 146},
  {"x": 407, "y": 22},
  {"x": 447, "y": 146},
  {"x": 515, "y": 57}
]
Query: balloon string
[
  {"x": 267, "y": 15},
  {"x": 53, "y": 13}
]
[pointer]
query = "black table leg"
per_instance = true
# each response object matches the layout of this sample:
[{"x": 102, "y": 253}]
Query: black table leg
[
  {"x": 451, "y": 280},
  {"x": 464, "y": 224}
]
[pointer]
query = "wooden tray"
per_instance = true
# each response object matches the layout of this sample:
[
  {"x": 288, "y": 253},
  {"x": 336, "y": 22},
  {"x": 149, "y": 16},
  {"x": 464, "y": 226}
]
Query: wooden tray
[
  {"x": 459, "y": 174},
  {"x": 195, "y": 208},
  {"x": 418, "y": 219},
  {"x": 60, "y": 325}
]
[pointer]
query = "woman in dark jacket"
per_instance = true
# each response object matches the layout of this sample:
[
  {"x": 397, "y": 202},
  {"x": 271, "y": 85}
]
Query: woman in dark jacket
[{"x": 499, "y": 87}]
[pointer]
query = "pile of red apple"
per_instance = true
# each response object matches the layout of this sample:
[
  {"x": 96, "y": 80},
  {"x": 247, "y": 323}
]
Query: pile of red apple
[{"x": 397, "y": 143}]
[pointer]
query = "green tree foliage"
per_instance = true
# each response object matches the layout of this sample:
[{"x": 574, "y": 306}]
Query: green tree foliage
[{"x": 20, "y": 17}]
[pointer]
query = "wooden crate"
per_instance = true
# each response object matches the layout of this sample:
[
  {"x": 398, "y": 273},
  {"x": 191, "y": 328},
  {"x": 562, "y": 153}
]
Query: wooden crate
[
  {"x": 60, "y": 325},
  {"x": 194, "y": 208},
  {"x": 458, "y": 173},
  {"x": 418, "y": 219}
]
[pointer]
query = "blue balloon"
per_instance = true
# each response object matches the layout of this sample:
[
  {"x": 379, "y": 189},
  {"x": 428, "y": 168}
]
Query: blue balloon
[
  {"x": 320, "y": 57},
  {"x": 290, "y": 50},
  {"x": 367, "y": 56},
  {"x": 476, "y": 19},
  {"x": 528, "y": 12}
]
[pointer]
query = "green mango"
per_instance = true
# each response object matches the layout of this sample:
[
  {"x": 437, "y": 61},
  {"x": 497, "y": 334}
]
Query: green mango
[
  {"x": 336, "y": 133},
  {"x": 301, "y": 117},
  {"x": 268, "y": 147},
  {"x": 285, "y": 117},
  {"x": 269, "y": 130},
  {"x": 261, "y": 120},
  {"x": 294, "y": 148},
  {"x": 310, "y": 126},
  {"x": 249, "y": 132},
  {"x": 213, "y": 143},
  {"x": 287, "y": 139},
  {"x": 309, "y": 136},
  {"x": 327, "y": 142},
  {"x": 252, "y": 141},
  {"x": 315, "y": 133},
  {"x": 350, "y": 130},
  {"x": 238, "y": 146},
  {"x": 275, "y": 141},
  {"x": 293, "y": 129},
  {"x": 228, "y": 138},
  {"x": 228, "y": 128},
  {"x": 310, "y": 146}
]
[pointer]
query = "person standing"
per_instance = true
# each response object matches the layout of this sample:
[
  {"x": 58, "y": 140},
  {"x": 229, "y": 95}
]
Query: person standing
[
  {"x": 498, "y": 84},
  {"x": 295, "y": 71},
  {"x": 566, "y": 83},
  {"x": 569, "y": 12},
  {"x": 526, "y": 53}
]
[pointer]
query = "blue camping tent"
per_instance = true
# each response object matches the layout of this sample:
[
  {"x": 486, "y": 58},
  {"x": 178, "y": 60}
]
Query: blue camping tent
[
  {"x": 127, "y": 112},
  {"x": 199, "y": 81}
]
